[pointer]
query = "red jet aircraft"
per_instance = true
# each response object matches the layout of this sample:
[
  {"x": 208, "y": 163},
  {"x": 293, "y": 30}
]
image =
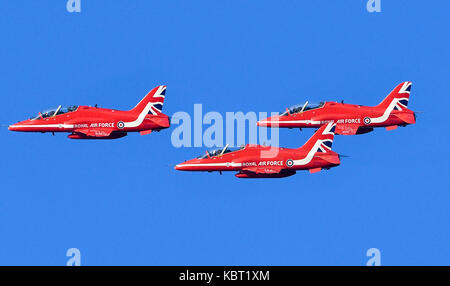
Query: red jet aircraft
[
  {"x": 85, "y": 122},
  {"x": 256, "y": 161},
  {"x": 350, "y": 119}
]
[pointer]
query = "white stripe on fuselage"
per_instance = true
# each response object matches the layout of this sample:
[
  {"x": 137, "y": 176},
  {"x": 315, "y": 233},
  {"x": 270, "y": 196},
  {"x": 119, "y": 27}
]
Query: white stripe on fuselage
[
  {"x": 387, "y": 112},
  {"x": 309, "y": 156},
  {"x": 228, "y": 164},
  {"x": 316, "y": 146},
  {"x": 47, "y": 125},
  {"x": 291, "y": 122}
]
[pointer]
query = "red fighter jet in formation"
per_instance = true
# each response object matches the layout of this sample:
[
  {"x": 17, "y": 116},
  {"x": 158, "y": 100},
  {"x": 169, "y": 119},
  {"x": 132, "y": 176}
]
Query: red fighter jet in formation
[
  {"x": 256, "y": 161},
  {"x": 85, "y": 122},
  {"x": 350, "y": 119}
]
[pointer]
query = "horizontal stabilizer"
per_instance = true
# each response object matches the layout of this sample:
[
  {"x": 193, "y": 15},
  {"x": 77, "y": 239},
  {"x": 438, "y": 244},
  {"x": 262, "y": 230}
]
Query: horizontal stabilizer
[
  {"x": 162, "y": 121},
  {"x": 331, "y": 159},
  {"x": 406, "y": 117}
]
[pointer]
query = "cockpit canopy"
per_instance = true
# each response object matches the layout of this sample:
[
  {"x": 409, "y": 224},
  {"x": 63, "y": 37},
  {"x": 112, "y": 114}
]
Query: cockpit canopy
[
  {"x": 53, "y": 112},
  {"x": 220, "y": 151},
  {"x": 301, "y": 108}
]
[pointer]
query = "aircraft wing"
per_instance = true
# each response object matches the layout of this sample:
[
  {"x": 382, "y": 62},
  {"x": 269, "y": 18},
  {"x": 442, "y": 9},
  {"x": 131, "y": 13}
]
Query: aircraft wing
[
  {"x": 346, "y": 129},
  {"x": 95, "y": 132},
  {"x": 264, "y": 170}
]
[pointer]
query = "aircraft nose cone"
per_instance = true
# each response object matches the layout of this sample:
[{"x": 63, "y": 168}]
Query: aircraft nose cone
[
  {"x": 181, "y": 167},
  {"x": 19, "y": 126},
  {"x": 12, "y": 127},
  {"x": 263, "y": 123},
  {"x": 189, "y": 165},
  {"x": 268, "y": 121}
]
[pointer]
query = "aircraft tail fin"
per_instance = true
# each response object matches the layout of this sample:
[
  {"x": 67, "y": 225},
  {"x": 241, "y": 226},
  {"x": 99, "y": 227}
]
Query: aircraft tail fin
[
  {"x": 399, "y": 93},
  {"x": 322, "y": 139},
  {"x": 153, "y": 102}
]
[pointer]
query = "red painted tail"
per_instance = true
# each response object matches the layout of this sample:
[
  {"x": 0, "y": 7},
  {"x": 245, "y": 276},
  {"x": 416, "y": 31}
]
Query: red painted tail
[
  {"x": 322, "y": 140},
  {"x": 400, "y": 93},
  {"x": 153, "y": 102}
]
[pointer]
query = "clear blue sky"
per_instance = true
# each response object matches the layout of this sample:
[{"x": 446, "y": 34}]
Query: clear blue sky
[{"x": 122, "y": 203}]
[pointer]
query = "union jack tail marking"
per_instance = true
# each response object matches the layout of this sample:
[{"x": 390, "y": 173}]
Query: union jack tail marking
[
  {"x": 400, "y": 94},
  {"x": 153, "y": 102},
  {"x": 322, "y": 140}
]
